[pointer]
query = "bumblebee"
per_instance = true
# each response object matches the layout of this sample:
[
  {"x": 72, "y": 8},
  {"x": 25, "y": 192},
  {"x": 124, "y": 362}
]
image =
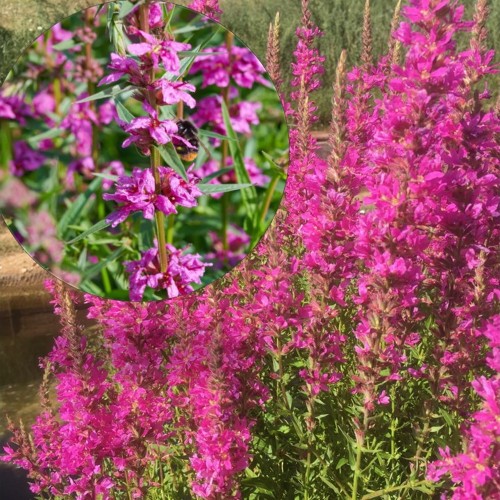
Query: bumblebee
[{"x": 189, "y": 132}]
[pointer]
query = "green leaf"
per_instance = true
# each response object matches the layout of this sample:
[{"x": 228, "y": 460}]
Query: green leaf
[
  {"x": 125, "y": 9},
  {"x": 249, "y": 196},
  {"x": 341, "y": 462},
  {"x": 102, "y": 264},
  {"x": 190, "y": 28},
  {"x": 74, "y": 211},
  {"x": 123, "y": 113},
  {"x": 82, "y": 260},
  {"x": 213, "y": 175},
  {"x": 106, "y": 93},
  {"x": 274, "y": 167},
  {"x": 66, "y": 44},
  {"x": 221, "y": 188},
  {"x": 96, "y": 227},
  {"x": 214, "y": 135},
  {"x": 197, "y": 53},
  {"x": 169, "y": 154},
  {"x": 109, "y": 177},
  {"x": 49, "y": 134}
]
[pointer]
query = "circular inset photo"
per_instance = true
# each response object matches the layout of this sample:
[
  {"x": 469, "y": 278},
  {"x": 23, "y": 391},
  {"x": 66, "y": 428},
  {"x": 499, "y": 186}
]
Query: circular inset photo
[{"x": 143, "y": 150}]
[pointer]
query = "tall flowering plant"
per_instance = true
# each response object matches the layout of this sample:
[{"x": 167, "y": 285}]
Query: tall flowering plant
[
  {"x": 355, "y": 353},
  {"x": 128, "y": 163}
]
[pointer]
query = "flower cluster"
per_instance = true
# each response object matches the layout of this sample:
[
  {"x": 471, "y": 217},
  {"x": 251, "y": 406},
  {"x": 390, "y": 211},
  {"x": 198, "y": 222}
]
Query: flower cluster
[
  {"x": 349, "y": 338},
  {"x": 139, "y": 193},
  {"x": 181, "y": 271}
]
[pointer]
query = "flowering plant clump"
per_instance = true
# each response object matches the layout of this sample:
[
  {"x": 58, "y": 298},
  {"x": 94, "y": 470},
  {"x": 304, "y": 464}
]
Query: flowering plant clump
[
  {"x": 116, "y": 143},
  {"x": 355, "y": 353}
]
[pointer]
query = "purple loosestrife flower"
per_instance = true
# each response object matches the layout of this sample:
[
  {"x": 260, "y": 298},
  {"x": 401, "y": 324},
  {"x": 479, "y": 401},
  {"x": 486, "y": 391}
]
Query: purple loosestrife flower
[
  {"x": 42, "y": 240},
  {"x": 13, "y": 107},
  {"x": 123, "y": 65},
  {"x": 14, "y": 193},
  {"x": 240, "y": 65},
  {"x": 155, "y": 20},
  {"x": 113, "y": 168},
  {"x": 242, "y": 114},
  {"x": 169, "y": 92},
  {"x": 137, "y": 193},
  {"x": 154, "y": 50},
  {"x": 44, "y": 103},
  {"x": 209, "y": 8},
  {"x": 25, "y": 159},
  {"x": 181, "y": 272},
  {"x": 237, "y": 242},
  {"x": 79, "y": 122},
  {"x": 475, "y": 472},
  {"x": 145, "y": 131}
]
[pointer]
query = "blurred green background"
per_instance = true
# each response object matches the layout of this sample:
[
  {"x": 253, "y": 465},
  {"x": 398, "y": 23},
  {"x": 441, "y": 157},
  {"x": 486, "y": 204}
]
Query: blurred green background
[{"x": 341, "y": 20}]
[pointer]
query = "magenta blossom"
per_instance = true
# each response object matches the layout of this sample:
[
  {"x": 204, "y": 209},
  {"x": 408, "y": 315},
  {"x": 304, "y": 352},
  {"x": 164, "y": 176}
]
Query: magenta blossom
[
  {"x": 121, "y": 66},
  {"x": 243, "y": 114},
  {"x": 146, "y": 130},
  {"x": 156, "y": 19},
  {"x": 181, "y": 272},
  {"x": 153, "y": 51},
  {"x": 209, "y": 8},
  {"x": 113, "y": 168},
  {"x": 237, "y": 242},
  {"x": 25, "y": 159},
  {"x": 13, "y": 107},
  {"x": 137, "y": 193},
  {"x": 169, "y": 92},
  {"x": 42, "y": 240},
  {"x": 240, "y": 65}
]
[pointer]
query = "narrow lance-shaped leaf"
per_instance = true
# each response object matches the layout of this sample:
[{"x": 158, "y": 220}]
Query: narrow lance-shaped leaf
[
  {"x": 213, "y": 175},
  {"x": 213, "y": 135},
  {"x": 123, "y": 113},
  {"x": 221, "y": 188},
  {"x": 106, "y": 93},
  {"x": 94, "y": 229},
  {"x": 74, "y": 211},
  {"x": 96, "y": 268},
  {"x": 169, "y": 154},
  {"x": 249, "y": 196}
]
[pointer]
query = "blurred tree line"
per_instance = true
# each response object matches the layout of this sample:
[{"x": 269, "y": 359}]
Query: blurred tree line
[{"x": 342, "y": 24}]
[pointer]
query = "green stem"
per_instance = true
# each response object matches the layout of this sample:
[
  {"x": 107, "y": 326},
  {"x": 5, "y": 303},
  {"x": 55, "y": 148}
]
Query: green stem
[
  {"x": 281, "y": 373},
  {"x": 155, "y": 155},
  {"x": 268, "y": 198},
  {"x": 159, "y": 216},
  {"x": 225, "y": 154},
  {"x": 393, "y": 422},
  {"x": 170, "y": 228},
  {"x": 106, "y": 280},
  {"x": 360, "y": 441},
  {"x": 6, "y": 143},
  {"x": 225, "y": 220},
  {"x": 379, "y": 493},
  {"x": 57, "y": 94}
]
